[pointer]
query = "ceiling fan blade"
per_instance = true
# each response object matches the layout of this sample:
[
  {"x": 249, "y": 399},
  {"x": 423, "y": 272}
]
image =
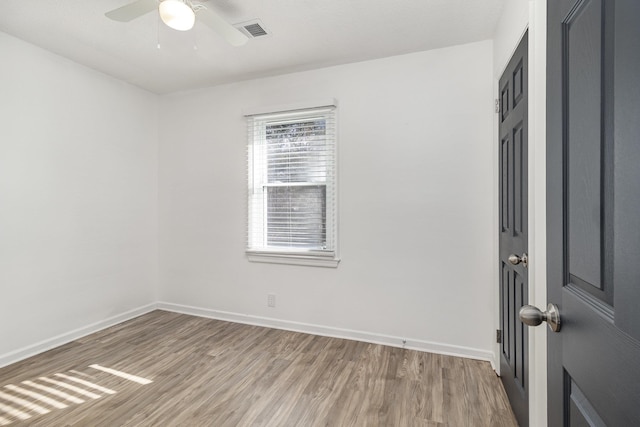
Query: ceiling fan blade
[
  {"x": 133, "y": 10},
  {"x": 222, "y": 27}
]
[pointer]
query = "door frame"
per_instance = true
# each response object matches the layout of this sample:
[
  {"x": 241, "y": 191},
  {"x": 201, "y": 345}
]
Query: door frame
[{"x": 537, "y": 27}]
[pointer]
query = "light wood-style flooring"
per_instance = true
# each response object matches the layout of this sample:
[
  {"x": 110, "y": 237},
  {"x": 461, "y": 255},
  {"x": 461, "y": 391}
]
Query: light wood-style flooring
[{"x": 212, "y": 373}]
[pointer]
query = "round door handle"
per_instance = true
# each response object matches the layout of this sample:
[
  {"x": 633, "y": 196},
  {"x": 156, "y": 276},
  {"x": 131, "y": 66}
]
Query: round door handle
[
  {"x": 532, "y": 316},
  {"x": 515, "y": 259}
]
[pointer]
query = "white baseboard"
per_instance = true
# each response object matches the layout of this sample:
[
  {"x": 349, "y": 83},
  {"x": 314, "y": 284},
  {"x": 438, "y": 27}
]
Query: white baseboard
[
  {"x": 42, "y": 346},
  {"x": 328, "y": 331}
]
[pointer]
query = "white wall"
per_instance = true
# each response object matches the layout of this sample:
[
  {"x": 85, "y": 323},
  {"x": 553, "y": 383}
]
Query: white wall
[
  {"x": 511, "y": 26},
  {"x": 78, "y": 198},
  {"x": 416, "y": 203}
]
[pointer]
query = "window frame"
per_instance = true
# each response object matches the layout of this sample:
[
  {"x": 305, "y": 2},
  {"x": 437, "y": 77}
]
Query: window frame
[{"x": 258, "y": 121}]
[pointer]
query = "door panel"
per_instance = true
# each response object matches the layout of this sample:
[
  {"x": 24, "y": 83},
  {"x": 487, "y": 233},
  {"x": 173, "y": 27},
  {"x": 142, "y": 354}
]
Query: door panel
[
  {"x": 513, "y": 230},
  {"x": 593, "y": 211},
  {"x": 581, "y": 412},
  {"x": 584, "y": 110}
]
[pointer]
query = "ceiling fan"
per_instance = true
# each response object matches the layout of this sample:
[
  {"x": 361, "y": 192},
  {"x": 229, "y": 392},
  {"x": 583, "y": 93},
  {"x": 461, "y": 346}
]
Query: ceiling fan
[{"x": 180, "y": 15}]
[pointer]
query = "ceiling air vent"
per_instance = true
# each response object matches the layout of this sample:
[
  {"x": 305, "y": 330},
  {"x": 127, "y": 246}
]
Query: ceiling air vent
[{"x": 252, "y": 28}]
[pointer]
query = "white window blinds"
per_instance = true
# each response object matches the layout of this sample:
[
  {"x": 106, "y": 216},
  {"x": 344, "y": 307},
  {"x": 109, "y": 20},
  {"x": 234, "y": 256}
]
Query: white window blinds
[{"x": 292, "y": 183}]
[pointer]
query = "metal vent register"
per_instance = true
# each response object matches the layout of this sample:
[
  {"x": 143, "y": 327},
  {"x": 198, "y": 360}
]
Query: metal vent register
[{"x": 253, "y": 28}]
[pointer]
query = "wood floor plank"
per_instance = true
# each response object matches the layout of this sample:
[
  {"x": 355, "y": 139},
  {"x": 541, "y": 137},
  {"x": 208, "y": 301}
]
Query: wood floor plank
[{"x": 207, "y": 372}]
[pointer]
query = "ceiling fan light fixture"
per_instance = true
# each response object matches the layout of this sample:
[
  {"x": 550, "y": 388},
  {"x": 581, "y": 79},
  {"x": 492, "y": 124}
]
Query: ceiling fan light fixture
[{"x": 177, "y": 14}]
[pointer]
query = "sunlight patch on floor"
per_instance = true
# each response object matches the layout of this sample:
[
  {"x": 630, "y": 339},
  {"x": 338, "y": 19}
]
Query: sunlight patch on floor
[
  {"x": 25, "y": 403},
  {"x": 73, "y": 388},
  {"x": 121, "y": 374},
  {"x": 86, "y": 383},
  {"x": 10, "y": 410},
  {"x": 20, "y": 403},
  {"x": 36, "y": 396},
  {"x": 53, "y": 391}
]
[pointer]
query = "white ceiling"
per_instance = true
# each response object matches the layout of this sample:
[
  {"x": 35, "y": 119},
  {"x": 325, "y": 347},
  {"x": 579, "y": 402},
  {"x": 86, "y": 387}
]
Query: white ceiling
[{"x": 304, "y": 34}]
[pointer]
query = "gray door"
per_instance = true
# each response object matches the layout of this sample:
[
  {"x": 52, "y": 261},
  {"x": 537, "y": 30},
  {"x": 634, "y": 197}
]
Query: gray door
[
  {"x": 593, "y": 211},
  {"x": 514, "y": 230}
]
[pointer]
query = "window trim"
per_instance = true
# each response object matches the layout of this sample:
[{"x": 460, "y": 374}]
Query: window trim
[
  {"x": 292, "y": 259},
  {"x": 314, "y": 258}
]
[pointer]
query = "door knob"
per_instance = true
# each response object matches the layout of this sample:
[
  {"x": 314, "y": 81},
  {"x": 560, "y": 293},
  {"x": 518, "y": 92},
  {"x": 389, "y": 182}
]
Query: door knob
[
  {"x": 515, "y": 259},
  {"x": 532, "y": 316}
]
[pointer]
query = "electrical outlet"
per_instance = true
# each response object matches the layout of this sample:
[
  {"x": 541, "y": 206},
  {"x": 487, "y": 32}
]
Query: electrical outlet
[{"x": 271, "y": 300}]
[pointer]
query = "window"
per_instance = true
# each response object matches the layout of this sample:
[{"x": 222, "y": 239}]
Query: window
[{"x": 292, "y": 187}]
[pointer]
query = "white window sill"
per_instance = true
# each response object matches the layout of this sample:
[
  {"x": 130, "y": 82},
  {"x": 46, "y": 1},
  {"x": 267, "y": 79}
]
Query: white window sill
[{"x": 311, "y": 261}]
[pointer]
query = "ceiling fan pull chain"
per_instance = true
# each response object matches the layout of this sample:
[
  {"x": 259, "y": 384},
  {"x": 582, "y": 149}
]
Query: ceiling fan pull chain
[
  {"x": 194, "y": 36},
  {"x": 158, "y": 31}
]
